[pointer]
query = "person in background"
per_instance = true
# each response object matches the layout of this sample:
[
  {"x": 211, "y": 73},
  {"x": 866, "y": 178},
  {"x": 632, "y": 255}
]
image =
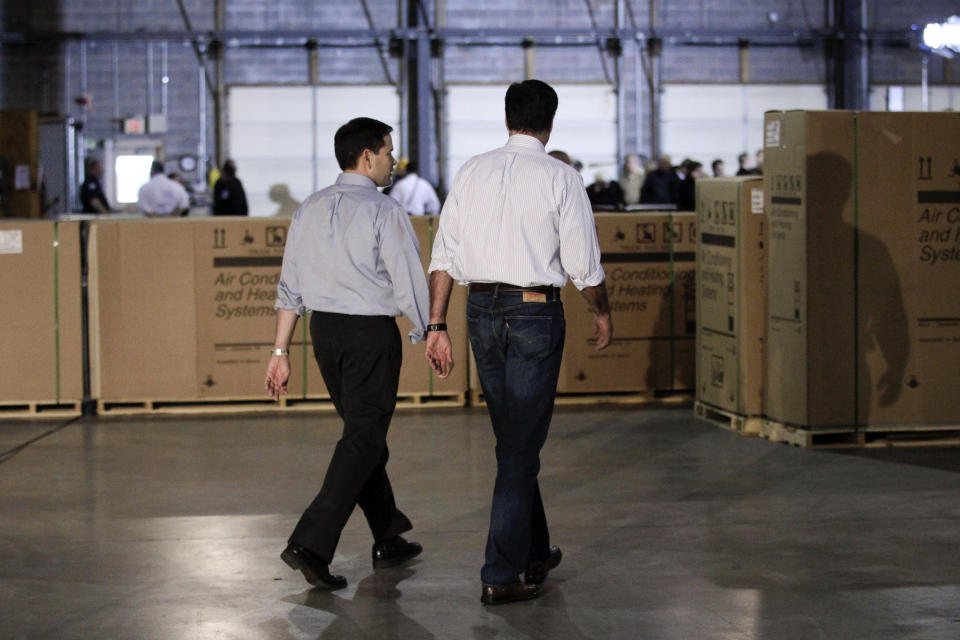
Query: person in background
[
  {"x": 605, "y": 192},
  {"x": 717, "y": 167},
  {"x": 229, "y": 198},
  {"x": 352, "y": 258},
  {"x": 516, "y": 225},
  {"x": 661, "y": 186},
  {"x": 562, "y": 156},
  {"x": 687, "y": 191},
  {"x": 743, "y": 160},
  {"x": 415, "y": 194},
  {"x": 161, "y": 196},
  {"x": 758, "y": 168},
  {"x": 632, "y": 179},
  {"x": 92, "y": 197}
]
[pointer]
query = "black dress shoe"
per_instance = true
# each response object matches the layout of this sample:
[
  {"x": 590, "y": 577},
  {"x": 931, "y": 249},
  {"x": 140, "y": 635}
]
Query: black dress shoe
[
  {"x": 313, "y": 568},
  {"x": 504, "y": 593},
  {"x": 393, "y": 551},
  {"x": 537, "y": 572}
]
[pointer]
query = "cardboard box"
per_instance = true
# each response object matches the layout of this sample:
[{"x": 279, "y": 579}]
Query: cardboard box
[
  {"x": 649, "y": 263},
  {"x": 182, "y": 310},
  {"x": 864, "y": 267},
  {"x": 731, "y": 293},
  {"x": 908, "y": 273},
  {"x": 41, "y": 334}
]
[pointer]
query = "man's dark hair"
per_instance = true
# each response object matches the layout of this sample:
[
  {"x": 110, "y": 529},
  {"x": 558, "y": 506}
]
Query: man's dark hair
[
  {"x": 530, "y": 106},
  {"x": 156, "y": 167},
  {"x": 411, "y": 166},
  {"x": 355, "y": 136},
  {"x": 713, "y": 165},
  {"x": 229, "y": 169}
]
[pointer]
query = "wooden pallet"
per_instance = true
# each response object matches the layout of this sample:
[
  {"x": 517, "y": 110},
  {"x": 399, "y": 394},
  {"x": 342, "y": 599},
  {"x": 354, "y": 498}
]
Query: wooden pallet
[
  {"x": 730, "y": 420},
  {"x": 828, "y": 438},
  {"x": 50, "y": 409},
  {"x": 879, "y": 436},
  {"x": 258, "y": 405},
  {"x": 936, "y": 435},
  {"x": 656, "y": 398}
]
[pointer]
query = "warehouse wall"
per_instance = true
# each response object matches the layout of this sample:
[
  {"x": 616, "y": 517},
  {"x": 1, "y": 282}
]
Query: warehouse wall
[{"x": 124, "y": 77}]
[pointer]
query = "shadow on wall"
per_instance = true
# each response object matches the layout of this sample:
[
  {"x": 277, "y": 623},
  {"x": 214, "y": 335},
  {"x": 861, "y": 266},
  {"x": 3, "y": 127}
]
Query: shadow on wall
[
  {"x": 884, "y": 346},
  {"x": 286, "y": 204}
]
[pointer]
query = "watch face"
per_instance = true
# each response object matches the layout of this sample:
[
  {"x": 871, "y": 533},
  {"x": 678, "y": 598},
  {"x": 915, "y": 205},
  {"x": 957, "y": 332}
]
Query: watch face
[{"x": 188, "y": 163}]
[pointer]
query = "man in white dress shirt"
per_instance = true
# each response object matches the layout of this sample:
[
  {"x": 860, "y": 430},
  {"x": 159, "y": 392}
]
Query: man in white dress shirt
[
  {"x": 415, "y": 194},
  {"x": 516, "y": 225},
  {"x": 162, "y": 196}
]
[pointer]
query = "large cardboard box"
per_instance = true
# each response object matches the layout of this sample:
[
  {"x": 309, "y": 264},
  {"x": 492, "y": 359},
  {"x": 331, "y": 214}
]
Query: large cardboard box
[
  {"x": 864, "y": 267},
  {"x": 907, "y": 173},
  {"x": 41, "y": 334},
  {"x": 182, "y": 310},
  {"x": 649, "y": 263},
  {"x": 731, "y": 293}
]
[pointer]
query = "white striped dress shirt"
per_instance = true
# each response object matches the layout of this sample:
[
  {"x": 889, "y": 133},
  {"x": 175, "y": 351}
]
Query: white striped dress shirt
[{"x": 519, "y": 216}]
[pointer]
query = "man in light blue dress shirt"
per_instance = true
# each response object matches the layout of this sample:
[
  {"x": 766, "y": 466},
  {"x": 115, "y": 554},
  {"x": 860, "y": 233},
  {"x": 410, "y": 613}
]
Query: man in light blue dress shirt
[{"x": 353, "y": 260}]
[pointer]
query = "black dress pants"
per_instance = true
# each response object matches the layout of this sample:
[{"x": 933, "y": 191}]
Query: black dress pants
[{"x": 359, "y": 358}]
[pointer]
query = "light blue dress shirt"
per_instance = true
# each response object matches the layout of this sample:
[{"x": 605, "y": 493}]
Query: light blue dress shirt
[{"x": 350, "y": 249}]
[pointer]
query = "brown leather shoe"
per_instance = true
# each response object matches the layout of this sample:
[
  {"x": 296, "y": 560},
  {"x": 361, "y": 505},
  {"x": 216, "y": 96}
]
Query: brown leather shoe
[
  {"x": 504, "y": 593},
  {"x": 313, "y": 568},
  {"x": 537, "y": 572}
]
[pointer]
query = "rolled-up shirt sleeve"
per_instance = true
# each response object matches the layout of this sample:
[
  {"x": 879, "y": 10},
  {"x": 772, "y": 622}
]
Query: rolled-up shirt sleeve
[
  {"x": 400, "y": 252},
  {"x": 445, "y": 242},
  {"x": 579, "y": 248},
  {"x": 289, "y": 293}
]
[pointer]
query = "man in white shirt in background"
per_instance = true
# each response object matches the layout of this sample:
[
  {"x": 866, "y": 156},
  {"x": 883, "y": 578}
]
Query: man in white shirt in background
[
  {"x": 516, "y": 225},
  {"x": 415, "y": 194},
  {"x": 161, "y": 196}
]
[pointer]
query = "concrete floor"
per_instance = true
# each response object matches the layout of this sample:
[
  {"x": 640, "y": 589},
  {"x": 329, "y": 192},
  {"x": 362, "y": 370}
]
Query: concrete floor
[{"x": 171, "y": 528}]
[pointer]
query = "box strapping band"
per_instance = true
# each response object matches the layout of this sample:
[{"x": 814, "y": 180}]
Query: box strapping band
[
  {"x": 671, "y": 302},
  {"x": 56, "y": 307},
  {"x": 856, "y": 270}
]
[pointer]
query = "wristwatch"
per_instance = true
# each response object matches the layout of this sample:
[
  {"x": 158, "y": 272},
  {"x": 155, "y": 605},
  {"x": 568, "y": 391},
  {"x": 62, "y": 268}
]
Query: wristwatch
[
  {"x": 440, "y": 326},
  {"x": 279, "y": 352}
]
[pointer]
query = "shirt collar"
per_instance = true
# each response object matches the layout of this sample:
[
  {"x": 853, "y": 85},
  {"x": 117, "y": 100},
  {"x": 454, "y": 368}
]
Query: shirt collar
[
  {"x": 356, "y": 179},
  {"x": 526, "y": 142}
]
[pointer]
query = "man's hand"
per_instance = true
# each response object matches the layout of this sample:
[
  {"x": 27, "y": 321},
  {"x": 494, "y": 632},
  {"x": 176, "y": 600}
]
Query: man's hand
[
  {"x": 602, "y": 329},
  {"x": 278, "y": 372},
  {"x": 439, "y": 353}
]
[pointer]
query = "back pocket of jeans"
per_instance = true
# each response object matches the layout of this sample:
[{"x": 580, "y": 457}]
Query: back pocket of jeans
[{"x": 533, "y": 337}]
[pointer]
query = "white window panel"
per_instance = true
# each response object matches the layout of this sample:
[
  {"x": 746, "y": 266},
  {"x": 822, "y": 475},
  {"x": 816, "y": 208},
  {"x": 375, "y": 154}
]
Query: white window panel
[
  {"x": 271, "y": 131},
  {"x": 708, "y": 121},
  {"x": 940, "y": 98},
  {"x": 584, "y": 127}
]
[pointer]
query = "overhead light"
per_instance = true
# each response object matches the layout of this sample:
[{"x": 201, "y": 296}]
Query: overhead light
[{"x": 943, "y": 37}]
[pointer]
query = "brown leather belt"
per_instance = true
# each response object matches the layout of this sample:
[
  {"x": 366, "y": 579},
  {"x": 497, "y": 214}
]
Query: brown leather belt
[{"x": 483, "y": 287}]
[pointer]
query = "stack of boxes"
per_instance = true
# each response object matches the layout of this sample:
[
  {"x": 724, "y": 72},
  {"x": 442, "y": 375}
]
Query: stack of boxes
[{"x": 863, "y": 284}]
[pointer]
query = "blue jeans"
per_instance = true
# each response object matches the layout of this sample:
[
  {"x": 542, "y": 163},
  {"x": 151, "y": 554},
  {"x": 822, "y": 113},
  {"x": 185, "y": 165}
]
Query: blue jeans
[{"x": 518, "y": 347}]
